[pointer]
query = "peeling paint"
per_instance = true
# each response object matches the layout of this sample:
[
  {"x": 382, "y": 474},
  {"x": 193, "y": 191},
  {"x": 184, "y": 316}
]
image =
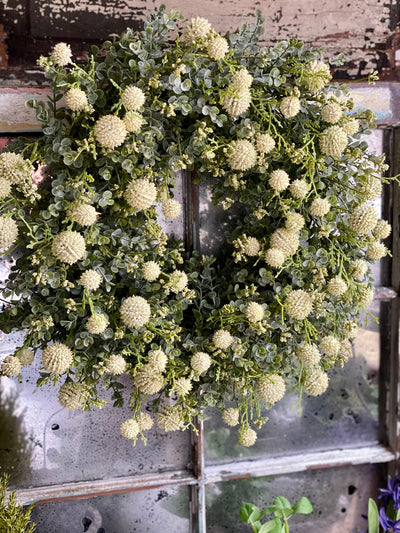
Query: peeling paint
[
  {"x": 365, "y": 32},
  {"x": 88, "y": 18},
  {"x": 15, "y": 117},
  {"x": 383, "y": 99}
]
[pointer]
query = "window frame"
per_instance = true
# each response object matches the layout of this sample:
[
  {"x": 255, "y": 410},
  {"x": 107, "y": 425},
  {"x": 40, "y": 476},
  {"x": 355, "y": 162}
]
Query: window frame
[{"x": 199, "y": 475}]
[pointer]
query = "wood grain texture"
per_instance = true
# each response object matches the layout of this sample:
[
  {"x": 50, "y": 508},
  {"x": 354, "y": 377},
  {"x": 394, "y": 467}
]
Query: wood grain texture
[
  {"x": 15, "y": 117},
  {"x": 366, "y": 31},
  {"x": 383, "y": 99}
]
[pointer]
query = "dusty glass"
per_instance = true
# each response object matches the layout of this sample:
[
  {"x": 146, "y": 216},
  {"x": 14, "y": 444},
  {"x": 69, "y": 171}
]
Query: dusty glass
[
  {"x": 339, "y": 497},
  {"x": 346, "y": 415},
  {"x": 164, "y": 509}
]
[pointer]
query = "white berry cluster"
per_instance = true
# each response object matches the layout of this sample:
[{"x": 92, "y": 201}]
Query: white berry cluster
[
  {"x": 57, "y": 358},
  {"x": 271, "y": 388},
  {"x": 68, "y": 247},
  {"x": 243, "y": 155},
  {"x": 14, "y": 169},
  {"x": 76, "y": 100},
  {"x": 110, "y": 131},
  {"x": 141, "y": 194},
  {"x": 8, "y": 232},
  {"x": 299, "y": 304},
  {"x": 237, "y": 99},
  {"x": 135, "y": 312}
]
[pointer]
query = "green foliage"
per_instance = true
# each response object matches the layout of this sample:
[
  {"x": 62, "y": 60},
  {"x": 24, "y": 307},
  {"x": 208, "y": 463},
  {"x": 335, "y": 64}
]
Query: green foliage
[
  {"x": 237, "y": 119},
  {"x": 13, "y": 517},
  {"x": 373, "y": 517},
  {"x": 282, "y": 511}
]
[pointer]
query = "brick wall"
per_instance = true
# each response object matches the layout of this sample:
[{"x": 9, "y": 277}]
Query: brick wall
[{"x": 367, "y": 31}]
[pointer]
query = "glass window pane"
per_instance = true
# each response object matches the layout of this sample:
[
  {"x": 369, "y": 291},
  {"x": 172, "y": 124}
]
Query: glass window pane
[
  {"x": 164, "y": 509},
  {"x": 346, "y": 415},
  {"x": 41, "y": 443},
  {"x": 375, "y": 145},
  {"x": 174, "y": 226},
  {"x": 339, "y": 497}
]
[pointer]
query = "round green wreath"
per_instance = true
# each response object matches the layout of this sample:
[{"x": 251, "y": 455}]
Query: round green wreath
[{"x": 99, "y": 287}]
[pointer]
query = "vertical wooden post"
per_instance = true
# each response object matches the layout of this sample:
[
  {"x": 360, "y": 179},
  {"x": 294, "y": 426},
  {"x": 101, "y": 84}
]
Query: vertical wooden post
[{"x": 3, "y": 49}]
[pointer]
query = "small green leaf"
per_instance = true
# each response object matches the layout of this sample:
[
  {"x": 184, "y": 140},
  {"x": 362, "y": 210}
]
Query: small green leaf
[
  {"x": 373, "y": 517},
  {"x": 282, "y": 502},
  {"x": 303, "y": 506},
  {"x": 273, "y": 526},
  {"x": 281, "y": 507},
  {"x": 186, "y": 85},
  {"x": 249, "y": 513}
]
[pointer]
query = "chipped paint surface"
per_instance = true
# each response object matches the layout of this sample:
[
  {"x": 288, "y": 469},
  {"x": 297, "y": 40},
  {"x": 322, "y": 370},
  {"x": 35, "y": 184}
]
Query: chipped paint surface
[
  {"x": 364, "y": 31},
  {"x": 15, "y": 117},
  {"x": 84, "y": 18},
  {"x": 383, "y": 99}
]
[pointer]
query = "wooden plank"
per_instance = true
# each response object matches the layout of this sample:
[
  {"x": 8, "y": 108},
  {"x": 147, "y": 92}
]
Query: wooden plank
[
  {"x": 3, "y": 48},
  {"x": 15, "y": 117},
  {"x": 86, "y": 19},
  {"x": 100, "y": 487},
  {"x": 364, "y": 31},
  {"x": 270, "y": 466},
  {"x": 383, "y": 99}
]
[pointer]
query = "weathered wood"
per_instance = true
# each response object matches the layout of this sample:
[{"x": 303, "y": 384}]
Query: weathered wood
[
  {"x": 240, "y": 469},
  {"x": 88, "y": 19},
  {"x": 3, "y": 48},
  {"x": 364, "y": 31},
  {"x": 15, "y": 117}
]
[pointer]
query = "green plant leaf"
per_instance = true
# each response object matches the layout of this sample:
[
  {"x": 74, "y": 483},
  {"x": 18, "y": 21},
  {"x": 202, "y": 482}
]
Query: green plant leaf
[
  {"x": 373, "y": 517},
  {"x": 281, "y": 507},
  {"x": 249, "y": 513},
  {"x": 273, "y": 526},
  {"x": 303, "y": 506}
]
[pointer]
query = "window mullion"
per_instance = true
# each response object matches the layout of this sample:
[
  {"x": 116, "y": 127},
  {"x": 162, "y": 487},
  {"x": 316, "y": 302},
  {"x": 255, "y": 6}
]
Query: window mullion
[
  {"x": 103, "y": 487},
  {"x": 197, "y": 491},
  {"x": 287, "y": 464}
]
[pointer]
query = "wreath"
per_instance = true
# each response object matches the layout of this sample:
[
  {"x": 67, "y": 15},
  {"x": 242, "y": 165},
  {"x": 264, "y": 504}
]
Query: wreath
[{"x": 107, "y": 298}]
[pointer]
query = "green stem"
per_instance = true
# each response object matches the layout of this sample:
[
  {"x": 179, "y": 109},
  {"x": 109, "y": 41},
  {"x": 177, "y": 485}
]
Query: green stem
[{"x": 286, "y": 525}]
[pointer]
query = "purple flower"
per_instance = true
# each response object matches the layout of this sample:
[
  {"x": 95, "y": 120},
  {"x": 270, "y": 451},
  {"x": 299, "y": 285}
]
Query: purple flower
[
  {"x": 392, "y": 492},
  {"x": 387, "y": 523}
]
